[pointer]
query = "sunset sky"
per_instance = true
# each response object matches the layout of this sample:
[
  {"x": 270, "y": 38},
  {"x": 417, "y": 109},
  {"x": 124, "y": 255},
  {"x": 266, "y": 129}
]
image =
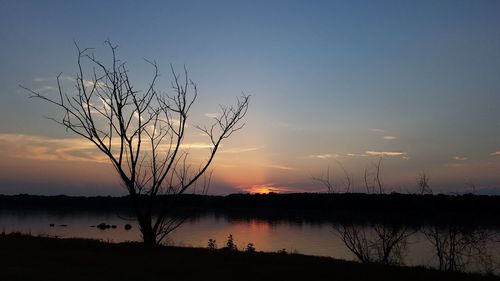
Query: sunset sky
[{"x": 331, "y": 82}]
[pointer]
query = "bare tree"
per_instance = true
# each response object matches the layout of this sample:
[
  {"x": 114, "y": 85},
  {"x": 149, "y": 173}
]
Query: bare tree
[
  {"x": 328, "y": 180},
  {"x": 383, "y": 243},
  {"x": 458, "y": 246},
  {"x": 357, "y": 240},
  {"x": 369, "y": 188},
  {"x": 390, "y": 242},
  {"x": 377, "y": 176},
  {"x": 377, "y": 242},
  {"x": 372, "y": 178},
  {"x": 141, "y": 132},
  {"x": 347, "y": 178},
  {"x": 423, "y": 183}
]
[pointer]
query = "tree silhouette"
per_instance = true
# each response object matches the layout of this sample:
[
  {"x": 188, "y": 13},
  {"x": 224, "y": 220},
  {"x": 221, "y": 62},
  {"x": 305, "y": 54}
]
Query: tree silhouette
[
  {"x": 375, "y": 182},
  {"x": 376, "y": 242},
  {"x": 423, "y": 183},
  {"x": 457, "y": 246},
  {"x": 328, "y": 180},
  {"x": 383, "y": 243},
  {"x": 141, "y": 132}
]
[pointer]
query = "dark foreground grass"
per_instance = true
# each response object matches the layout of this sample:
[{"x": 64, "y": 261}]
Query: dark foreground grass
[{"x": 39, "y": 258}]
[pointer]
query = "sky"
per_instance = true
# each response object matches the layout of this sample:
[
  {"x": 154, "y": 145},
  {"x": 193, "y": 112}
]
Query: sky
[{"x": 334, "y": 85}]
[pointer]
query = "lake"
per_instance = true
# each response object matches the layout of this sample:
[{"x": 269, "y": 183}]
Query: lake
[{"x": 303, "y": 237}]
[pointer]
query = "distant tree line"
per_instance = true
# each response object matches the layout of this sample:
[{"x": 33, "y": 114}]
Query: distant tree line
[{"x": 409, "y": 209}]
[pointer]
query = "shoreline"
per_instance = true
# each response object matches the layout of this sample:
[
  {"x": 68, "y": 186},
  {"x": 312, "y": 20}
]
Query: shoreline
[
  {"x": 411, "y": 209},
  {"x": 25, "y": 257}
]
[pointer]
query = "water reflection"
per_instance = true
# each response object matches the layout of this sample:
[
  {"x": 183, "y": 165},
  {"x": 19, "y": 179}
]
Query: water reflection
[
  {"x": 77, "y": 225},
  {"x": 322, "y": 239}
]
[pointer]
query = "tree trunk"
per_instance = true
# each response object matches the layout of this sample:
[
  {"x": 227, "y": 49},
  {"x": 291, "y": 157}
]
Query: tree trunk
[{"x": 148, "y": 235}]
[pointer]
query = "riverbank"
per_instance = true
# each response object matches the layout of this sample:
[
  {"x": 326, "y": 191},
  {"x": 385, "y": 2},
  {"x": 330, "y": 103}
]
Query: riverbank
[{"x": 25, "y": 257}]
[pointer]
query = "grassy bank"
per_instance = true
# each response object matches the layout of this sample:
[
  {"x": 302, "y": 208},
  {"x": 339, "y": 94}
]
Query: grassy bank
[{"x": 40, "y": 258}]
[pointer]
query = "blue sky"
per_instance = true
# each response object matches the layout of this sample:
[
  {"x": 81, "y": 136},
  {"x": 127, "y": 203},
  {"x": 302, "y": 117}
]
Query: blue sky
[{"x": 331, "y": 82}]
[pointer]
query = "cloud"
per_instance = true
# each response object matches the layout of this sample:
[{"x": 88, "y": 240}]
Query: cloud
[
  {"x": 455, "y": 165},
  {"x": 325, "y": 156},
  {"x": 196, "y": 145},
  {"x": 43, "y": 89},
  {"x": 43, "y": 148},
  {"x": 279, "y": 167},
  {"x": 356, "y": 155},
  {"x": 385, "y": 153},
  {"x": 389, "y": 137},
  {"x": 86, "y": 82},
  {"x": 380, "y": 154},
  {"x": 377, "y": 130},
  {"x": 211, "y": 115},
  {"x": 54, "y": 79},
  {"x": 459, "y": 158},
  {"x": 240, "y": 150},
  {"x": 65, "y": 149}
]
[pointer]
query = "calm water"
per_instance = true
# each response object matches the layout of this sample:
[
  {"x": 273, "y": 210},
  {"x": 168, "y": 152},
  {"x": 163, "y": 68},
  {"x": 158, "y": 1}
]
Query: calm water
[{"x": 304, "y": 238}]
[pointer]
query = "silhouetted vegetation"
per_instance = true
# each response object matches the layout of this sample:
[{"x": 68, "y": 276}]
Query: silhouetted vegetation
[
  {"x": 250, "y": 248},
  {"x": 141, "y": 132},
  {"x": 37, "y": 258},
  {"x": 375, "y": 243},
  {"x": 456, "y": 247},
  {"x": 230, "y": 244},
  {"x": 212, "y": 244},
  {"x": 409, "y": 209}
]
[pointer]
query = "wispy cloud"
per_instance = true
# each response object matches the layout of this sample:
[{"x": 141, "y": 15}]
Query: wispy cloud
[
  {"x": 356, "y": 155},
  {"x": 43, "y": 89},
  {"x": 455, "y": 165},
  {"x": 67, "y": 149},
  {"x": 54, "y": 79},
  {"x": 459, "y": 158},
  {"x": 91, "y": 83},
  {"x": 385, "y": 153},
  {"x": 196, "y": 145},
  {"x": 240, "y": 150},
  {"x": 324, "y": 156},
  {"x": 43, "y": 148},
  {"x": 211, "y": 115},
  {"x": 389, "y": 137},
  {"x": 279, "y": 167},
  {"x": 380, "y": 154},
  {"x": 86, "y": 82},
  {"x": 377, "y": 130}
]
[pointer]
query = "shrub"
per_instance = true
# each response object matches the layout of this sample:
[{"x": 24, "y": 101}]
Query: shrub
[
  {"x": 250, "y": 248},
  {"x": 212, "y": 244},
  {"x": 230, "y": 245},
  {"x": 282, "y": 251}
]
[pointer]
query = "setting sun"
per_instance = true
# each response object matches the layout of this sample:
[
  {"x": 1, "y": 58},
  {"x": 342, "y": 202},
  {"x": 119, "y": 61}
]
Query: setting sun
[
  {"x": 264, "y": 189},
  {"x": 259, "y": 189}
]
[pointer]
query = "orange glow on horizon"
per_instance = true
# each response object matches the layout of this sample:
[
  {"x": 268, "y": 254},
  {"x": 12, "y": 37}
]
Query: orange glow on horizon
[
  {"x": 263, "y": 189},
  {"x": 260, "y": 189}
]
